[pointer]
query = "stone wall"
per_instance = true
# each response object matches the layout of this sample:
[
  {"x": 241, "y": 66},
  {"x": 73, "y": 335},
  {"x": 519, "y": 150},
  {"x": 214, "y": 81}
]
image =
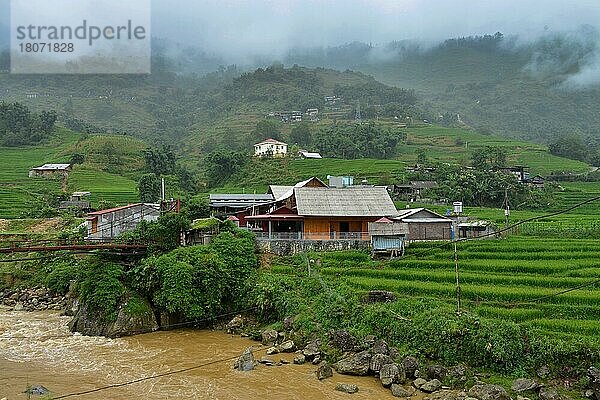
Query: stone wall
[{"x": 291, "y": 247}]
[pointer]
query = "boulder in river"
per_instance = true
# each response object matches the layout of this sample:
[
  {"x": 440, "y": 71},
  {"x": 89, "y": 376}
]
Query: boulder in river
[
  {"x": 346, "y": 388},
  {"x": 269, "y": 336},
  {"x": 272, "y": 350},
  {"x": 299, "y": 359},
  {"x": 401, "y": 391},
  {"x": 437, "y": 372},
  {"x": 391, "y": 373},
  {"x": 37, "y": 390},
  {"x": 324, "y": 371},
  {"x": 246, "y": 361},
  {"x": 431, "y": 386},
  {"x": 547, "y": 393},
  {"x": 127, "y": 323},
  {"x": 380, "y": 347},
  {"x": 287, "y": 347},
  {"x": 357, "y": 364},
  {"x": 311, "y": 350}
]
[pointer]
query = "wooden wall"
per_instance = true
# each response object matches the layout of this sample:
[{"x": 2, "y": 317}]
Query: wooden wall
[{"x": 321, "y": 227}]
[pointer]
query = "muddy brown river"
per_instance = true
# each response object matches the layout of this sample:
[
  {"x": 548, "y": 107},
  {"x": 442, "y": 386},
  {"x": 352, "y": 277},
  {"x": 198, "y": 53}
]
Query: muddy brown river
[{"x": 36, "y": 348}]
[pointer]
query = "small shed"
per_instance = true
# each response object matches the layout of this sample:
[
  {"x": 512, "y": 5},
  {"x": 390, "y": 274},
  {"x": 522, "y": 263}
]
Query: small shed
[
  {"x": 387, "y": 236},
  {"x": 424, "y": 224},
  {"x": 309, "y": 155},
  {"x": 50, "y": 170}
]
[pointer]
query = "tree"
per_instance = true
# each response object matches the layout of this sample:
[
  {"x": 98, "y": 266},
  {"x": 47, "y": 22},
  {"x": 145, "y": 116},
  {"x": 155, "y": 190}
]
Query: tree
[
  {"x": 265, "y": 129},
  {"x": 221, "y": 164},
  {"x": 77, "y": 158},
  {"x": 569, "y": 146},
  {"x": 160, "y": 161},
  {"x": 197, "y": 207},
  {"x": 149, "y": 188},
  {"x": 301, "y": 135}
]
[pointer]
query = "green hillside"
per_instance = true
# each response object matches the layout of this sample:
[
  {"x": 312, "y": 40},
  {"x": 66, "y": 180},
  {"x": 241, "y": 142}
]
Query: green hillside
[
  {"x": 450, "y": 145},
  {"x": 110, "y": 178}
]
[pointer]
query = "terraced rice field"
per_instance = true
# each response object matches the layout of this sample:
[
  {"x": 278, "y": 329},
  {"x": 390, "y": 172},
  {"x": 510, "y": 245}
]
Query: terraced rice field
[{"x": 517, "y": 279}]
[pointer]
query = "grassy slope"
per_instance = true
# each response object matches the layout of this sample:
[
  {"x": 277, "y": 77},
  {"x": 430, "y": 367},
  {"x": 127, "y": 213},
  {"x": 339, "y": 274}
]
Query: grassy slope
[
  {"x": 498, "y": 280},
  {"x": 439, "y": 143},
  {"x": 17, "y": 190}
]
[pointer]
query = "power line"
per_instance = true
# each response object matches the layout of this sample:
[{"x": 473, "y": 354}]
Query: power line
[{"x": 155, "y": 376}]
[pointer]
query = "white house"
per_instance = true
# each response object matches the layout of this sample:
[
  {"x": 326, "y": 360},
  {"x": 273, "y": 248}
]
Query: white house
[{"x": 270, "y": 148}]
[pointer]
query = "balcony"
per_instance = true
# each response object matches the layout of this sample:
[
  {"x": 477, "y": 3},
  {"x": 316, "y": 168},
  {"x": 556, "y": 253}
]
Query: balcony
[{"x": 313, "y": 236}]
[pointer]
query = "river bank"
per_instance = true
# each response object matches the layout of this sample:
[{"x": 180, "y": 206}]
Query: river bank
[{"x": 36, "y": 348}]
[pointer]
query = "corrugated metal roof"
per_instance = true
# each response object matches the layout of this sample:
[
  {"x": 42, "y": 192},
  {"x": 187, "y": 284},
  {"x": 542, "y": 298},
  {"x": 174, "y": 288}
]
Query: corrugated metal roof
[
  {"x": 279, "y": 190},
  {"x": 344, "y": 202},
  {"x": 240, "y": 196},
  {"x": 53, "y": 167}
]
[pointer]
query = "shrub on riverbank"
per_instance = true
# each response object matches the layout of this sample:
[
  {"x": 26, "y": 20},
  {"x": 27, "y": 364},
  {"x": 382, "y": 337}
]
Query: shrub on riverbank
[{"x": 198, "y": 282}]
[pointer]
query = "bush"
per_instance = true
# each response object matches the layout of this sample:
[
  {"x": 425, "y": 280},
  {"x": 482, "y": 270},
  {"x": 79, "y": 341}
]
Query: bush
[
  {"x": 61, "y": 275},
  {"x": 101, "y": 288}
]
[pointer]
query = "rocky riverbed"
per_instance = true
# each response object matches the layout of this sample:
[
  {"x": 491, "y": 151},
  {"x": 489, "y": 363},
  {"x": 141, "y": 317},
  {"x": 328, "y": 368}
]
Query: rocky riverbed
[{"x": 33, "y": 299}]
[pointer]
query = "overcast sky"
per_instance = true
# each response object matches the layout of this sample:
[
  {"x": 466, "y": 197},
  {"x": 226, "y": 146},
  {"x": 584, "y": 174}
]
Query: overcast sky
[{"x": 234, "y": 27}]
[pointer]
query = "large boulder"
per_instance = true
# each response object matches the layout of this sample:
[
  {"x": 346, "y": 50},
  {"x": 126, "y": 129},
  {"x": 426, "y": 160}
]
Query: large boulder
[
  {"x": 484, "y": 391},
  {"x": 126, "y": 323},
  {"x": 357, "y": 364},
  {"x": 524, "y": 385},
  {"x": 246, "y": 361},
  {"x": 411, "y": 364},
  {"x": 343, "y": 340},
  {"x": 311, "y": 350},
  {"x": 392, "y": 373},
  {"x": 431, "y": 386},
  {"x": 401, "y": 391},
  {"x": 324, "y": 371},
  {"x": 437, "y": 372},
  {"x": 380, "y": 347},
  {"x": 378, "y": 361},
  {"x": 269, "y": 336}
]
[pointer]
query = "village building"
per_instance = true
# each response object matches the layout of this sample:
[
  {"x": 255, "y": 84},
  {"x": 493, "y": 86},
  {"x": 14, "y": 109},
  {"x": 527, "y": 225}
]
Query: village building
[
  {"x": 308, "y": 155},
  {"x": 324, "y": 213},
  {"x": 313, "y": 114},
  {"x": 48, "y": 170},
  {"x": 414, "y": 190},
  {"x": 424, "y": 224},
  {"x": 270, "y": 148},
  {"x": 230, "y": 204},
  {"x": 388, "y": 237},
  {"x": 340, "y": 181},
  {"x": 77, "y": 200},
  {"x": 107, "y": 224},
  {"x": 475, "y": 229}
]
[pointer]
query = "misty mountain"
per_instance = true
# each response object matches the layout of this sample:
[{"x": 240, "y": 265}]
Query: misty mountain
[{"x": 533, "y": 90}]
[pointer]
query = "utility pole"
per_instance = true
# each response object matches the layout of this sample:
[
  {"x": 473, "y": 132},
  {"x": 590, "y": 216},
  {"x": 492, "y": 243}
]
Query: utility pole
[
  {"x": 506, "y": 207},
  {"x": 457, "y": 280}
]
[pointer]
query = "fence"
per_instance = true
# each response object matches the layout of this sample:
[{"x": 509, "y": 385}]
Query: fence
[{"x": 324, "y": 236}]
